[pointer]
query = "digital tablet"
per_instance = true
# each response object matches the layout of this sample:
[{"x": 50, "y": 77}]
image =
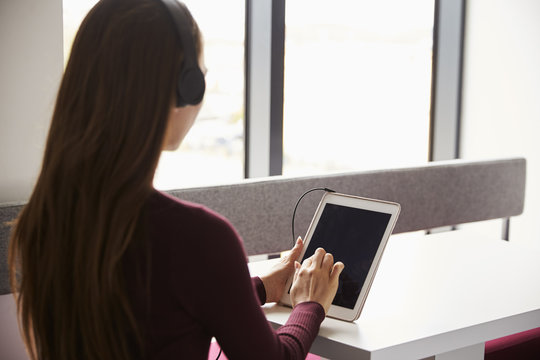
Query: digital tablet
[{"x": 355, "y": 231}]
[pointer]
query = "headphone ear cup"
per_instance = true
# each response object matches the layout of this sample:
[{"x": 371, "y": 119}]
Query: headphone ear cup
[
  {"x": 191, "y": 87},
  {"x": 191, "y": 84}
]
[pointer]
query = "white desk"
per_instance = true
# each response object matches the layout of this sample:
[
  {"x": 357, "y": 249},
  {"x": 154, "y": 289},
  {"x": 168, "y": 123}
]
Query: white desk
[{"x": 441, "y": 295}]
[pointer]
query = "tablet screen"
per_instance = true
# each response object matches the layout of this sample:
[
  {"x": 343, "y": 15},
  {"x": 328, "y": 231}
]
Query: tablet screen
[{"x": 352, "y": 236}]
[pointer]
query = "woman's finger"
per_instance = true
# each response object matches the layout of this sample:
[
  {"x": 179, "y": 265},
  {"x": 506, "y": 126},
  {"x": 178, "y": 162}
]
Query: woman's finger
[
  {"x": 297, "y": 267},
  {"x": 317, "y": 258},
  {"x": 327, "y": 262},
  {"x": 336, "y": 271}
]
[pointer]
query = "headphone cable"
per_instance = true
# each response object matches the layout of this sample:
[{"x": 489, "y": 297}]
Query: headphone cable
[{"x": 298, "y": 202}]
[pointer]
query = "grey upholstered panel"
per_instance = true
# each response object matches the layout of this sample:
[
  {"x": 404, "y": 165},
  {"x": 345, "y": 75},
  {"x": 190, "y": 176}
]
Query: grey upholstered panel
[
  {"x": 434, "y": 195},
  {"x": 8, "y": 212},
  {"x": 438, "y": 194}
]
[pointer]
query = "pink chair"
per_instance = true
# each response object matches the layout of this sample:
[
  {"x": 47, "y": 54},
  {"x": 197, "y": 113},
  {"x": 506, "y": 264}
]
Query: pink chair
[
  {"x": 214, "y": 351},
  {"x": 521, "y": 346}
]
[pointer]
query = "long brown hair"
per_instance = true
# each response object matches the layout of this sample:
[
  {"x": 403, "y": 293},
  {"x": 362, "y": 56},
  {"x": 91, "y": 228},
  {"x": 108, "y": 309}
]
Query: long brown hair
[{"x": 102, "y": 150}]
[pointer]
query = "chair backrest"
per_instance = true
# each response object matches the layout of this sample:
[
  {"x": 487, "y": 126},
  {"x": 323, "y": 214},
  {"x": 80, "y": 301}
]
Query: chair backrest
[
  {"x": 434, "y": 195},
  {"x": 8, "y": 213}
]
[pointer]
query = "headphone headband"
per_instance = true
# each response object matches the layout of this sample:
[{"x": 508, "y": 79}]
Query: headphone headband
[{"x": 191, "y": 84}]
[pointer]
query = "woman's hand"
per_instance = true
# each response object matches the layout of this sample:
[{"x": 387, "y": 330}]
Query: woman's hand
[
  {"x": 316, "y": 279},
  {"x": 274, "y": 282}
]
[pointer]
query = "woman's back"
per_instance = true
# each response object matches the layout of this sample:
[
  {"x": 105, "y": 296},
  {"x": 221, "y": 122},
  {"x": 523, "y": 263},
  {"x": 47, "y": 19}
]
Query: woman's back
[{"x": 200, "y": 288}]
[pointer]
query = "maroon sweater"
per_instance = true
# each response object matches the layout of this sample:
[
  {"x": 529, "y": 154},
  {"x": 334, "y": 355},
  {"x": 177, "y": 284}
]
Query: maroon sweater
[{"x": 188, "y": 281}]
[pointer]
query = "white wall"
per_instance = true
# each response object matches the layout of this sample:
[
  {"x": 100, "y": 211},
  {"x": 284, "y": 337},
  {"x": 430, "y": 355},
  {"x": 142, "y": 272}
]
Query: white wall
[
  {"x": 501, "y": 98},
  {"x": 30, "y": 70}
]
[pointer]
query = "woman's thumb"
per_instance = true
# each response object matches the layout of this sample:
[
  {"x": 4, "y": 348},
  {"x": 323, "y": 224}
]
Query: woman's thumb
[{"x": 296, "y": 250}]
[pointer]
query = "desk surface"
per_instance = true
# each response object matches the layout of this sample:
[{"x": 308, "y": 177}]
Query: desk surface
[{"x": 432, "y": 295}]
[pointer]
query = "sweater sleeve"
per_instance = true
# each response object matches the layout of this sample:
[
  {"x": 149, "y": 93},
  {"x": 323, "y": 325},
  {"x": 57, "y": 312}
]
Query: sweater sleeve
[
  {"x": 258, "y": 285},
  {"x": 223, "y": 298}
]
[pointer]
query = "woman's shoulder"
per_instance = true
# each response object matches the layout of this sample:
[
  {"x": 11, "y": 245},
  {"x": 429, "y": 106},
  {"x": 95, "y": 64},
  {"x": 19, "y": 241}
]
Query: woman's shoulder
[
  {"x": 162, "y": 203},
  {"x": 169, "y": 211}
]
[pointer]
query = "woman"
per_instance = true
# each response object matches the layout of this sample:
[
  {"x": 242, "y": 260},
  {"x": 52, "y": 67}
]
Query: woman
[{"x": 106, "y": 267}]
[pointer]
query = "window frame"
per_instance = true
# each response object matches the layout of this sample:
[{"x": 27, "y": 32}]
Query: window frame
[{"x": 264, "y": 103}]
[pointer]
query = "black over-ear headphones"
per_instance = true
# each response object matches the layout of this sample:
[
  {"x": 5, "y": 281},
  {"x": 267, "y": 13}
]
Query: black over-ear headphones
[{"x": 191, "y": 84}]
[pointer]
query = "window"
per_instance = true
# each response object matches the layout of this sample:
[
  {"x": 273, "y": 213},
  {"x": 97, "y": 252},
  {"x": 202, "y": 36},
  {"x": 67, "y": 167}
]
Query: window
[
  {"x": 213, "y": 150},
  {"x": 356, "y": 89},
  {"x": 357, "y": 84},
  {"x": 74, "y": 12},
  {"x": 501, "y": 90}
]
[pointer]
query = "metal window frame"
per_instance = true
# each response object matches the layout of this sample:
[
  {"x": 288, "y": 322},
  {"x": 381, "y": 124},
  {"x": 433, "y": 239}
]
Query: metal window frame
[
  {"x": 277, "y": 87},
  {"x": 446, "y": 79},
  {"x": 264, "y": 73}
]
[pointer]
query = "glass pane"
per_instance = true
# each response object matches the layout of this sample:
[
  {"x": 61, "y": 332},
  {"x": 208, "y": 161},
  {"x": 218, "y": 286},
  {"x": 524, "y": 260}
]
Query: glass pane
[
  {"x": 74, "y": 12},
  {"x": 357, "y": 84},
  {"x": 213, "y": 151}
]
